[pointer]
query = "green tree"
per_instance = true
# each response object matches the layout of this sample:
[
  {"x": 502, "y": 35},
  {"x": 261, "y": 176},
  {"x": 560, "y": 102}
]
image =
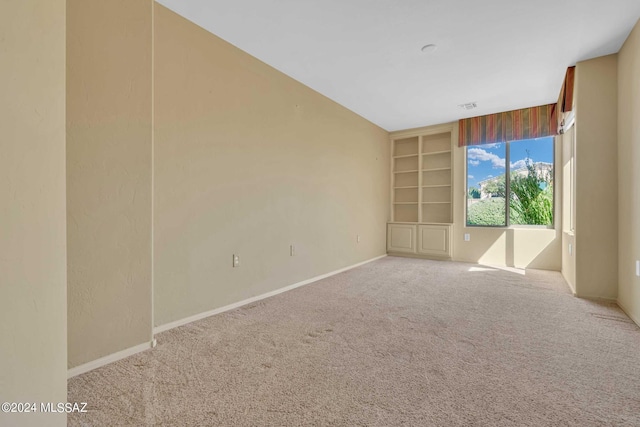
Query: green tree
[
  {"x": 474, "y": 193},
  {"x": 531, "y": 198},
  {"x": 496, "y": 187}
]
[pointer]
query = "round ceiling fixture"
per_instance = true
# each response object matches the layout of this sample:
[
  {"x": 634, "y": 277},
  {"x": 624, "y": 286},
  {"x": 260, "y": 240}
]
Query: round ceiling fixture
[{"x": 429, "y": 48}]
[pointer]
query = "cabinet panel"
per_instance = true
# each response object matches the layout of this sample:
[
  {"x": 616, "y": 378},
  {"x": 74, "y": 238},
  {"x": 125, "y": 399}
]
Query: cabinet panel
[
  {"x": 434, "y": 240},
  {"x": 401, "y": 238}
]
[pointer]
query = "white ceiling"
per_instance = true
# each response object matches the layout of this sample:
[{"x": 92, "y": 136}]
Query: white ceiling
[{"x": 365, "y": 54}]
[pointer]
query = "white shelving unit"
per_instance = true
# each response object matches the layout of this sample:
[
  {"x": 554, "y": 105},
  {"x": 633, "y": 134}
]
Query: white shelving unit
[
  {"x": 406, "y": 169},
  {"x": 421, "y": 191}
]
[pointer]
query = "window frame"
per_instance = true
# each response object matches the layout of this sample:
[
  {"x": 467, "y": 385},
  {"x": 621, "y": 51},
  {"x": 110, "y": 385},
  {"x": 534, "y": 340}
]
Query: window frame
[{"x": 507, "y": 182}]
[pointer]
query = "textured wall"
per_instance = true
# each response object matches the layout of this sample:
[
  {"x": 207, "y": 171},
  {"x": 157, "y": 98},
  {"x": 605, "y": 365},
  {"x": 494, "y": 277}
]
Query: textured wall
[
  {"x": 108, "y": 176},
  {"x": 33, "y": 337},
  {"x": 596, "y": 162},
  {"x": 629, "y": 174},
  {"x": 249, "y": 161}
]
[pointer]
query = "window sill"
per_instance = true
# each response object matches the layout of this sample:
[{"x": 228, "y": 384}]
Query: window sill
[{"x": 512, "y": 227}]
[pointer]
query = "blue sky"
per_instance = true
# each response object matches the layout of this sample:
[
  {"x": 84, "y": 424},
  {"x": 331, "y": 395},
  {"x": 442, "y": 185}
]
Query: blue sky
[{"x": 486, "y": 161}]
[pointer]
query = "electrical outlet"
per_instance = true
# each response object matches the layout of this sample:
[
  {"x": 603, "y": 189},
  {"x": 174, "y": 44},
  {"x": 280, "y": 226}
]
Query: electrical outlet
[
  {"x": 467, "y": 237},
  {"x": 236, "y": 260},
  {"x": 570, "y": 249},
  {"x": 638, "y": 268},
  {"x": 292, "y": 250},
  {"x": 358, "y": 238}
]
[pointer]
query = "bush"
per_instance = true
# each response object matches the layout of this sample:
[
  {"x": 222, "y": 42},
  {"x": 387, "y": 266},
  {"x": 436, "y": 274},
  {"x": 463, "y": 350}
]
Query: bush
[
  {"x": 531, "y": 198},
  {"x": 486, "y": 212}
]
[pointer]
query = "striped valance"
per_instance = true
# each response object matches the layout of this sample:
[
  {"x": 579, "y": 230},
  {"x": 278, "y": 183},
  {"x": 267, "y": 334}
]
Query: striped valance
[
  {"x": 534, "y": 122},
  {"x": 565, "y": 100}
]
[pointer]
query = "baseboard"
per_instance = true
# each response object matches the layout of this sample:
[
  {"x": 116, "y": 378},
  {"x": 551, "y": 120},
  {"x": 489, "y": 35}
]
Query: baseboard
[
  {"x": 186, "y": 320},
  {"x": 571, "y": 287},
  {"x": 419, "y": 256},
  {"x": 94, "y": 364},
  {"x": 597, "y": 298},
  {"x": 628, "y": 313}
]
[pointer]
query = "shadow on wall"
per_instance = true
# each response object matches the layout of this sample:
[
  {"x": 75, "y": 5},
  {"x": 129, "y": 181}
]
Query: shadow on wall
[
  {"x": 534, "y": 248},
  {"x": 518, "y": 247}
]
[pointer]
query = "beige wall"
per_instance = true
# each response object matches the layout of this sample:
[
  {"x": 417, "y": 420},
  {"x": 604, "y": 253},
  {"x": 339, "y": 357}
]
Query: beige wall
[
  {"x": 568, "y": 217},
  {"x": 514, "y": 247},
  {"x": 249, "y": 161},
  {"x": 596, "y": 227},
  {"x": 108, "y": 176},
  {"x": 629, "y": 174},
  {"x": 33, "y": 338}
]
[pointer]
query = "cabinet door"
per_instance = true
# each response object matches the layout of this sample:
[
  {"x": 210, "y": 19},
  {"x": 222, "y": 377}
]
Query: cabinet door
[
  {"x": 401, "y": 238},
  {"x": 434, "y": 240}
]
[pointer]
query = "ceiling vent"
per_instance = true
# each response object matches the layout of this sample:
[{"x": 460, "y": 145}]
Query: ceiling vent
[{"x": 468, "y": 106}]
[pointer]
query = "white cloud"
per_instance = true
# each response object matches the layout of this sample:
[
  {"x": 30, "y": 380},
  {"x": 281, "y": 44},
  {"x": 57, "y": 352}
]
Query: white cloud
[
  {"x": 480, "y": 155},
  {"x": 470, "y": 176},
  {"x": 474, "y": 162},
  {"x": 490, "y": 145},
  {"x": 519, "y": 164}
]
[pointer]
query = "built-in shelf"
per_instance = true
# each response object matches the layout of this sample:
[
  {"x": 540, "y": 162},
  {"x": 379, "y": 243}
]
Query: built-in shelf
[
  {"x": 421, "y": 240},
  {"x": 421, "y": 163},
  {"x": 431, "y": 153},
  {"x": 406, "y": 146},
  {"x": 405, "y": 156},
  {"x": 435, "y": 169}
]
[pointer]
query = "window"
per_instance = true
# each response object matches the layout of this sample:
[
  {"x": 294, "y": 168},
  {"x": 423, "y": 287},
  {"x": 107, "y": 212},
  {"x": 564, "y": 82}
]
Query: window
[{"x": 511, "y": 183}]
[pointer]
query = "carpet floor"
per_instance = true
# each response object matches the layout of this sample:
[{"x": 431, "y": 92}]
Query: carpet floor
[{"x": 398, "y": 341}]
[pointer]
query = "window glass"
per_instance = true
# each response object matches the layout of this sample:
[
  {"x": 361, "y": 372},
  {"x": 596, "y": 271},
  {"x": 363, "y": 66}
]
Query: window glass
[
  {"x": 486, "y": 185},
  {"x": 531, "y": 186},
  {"x": 526, "y": 198}
]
